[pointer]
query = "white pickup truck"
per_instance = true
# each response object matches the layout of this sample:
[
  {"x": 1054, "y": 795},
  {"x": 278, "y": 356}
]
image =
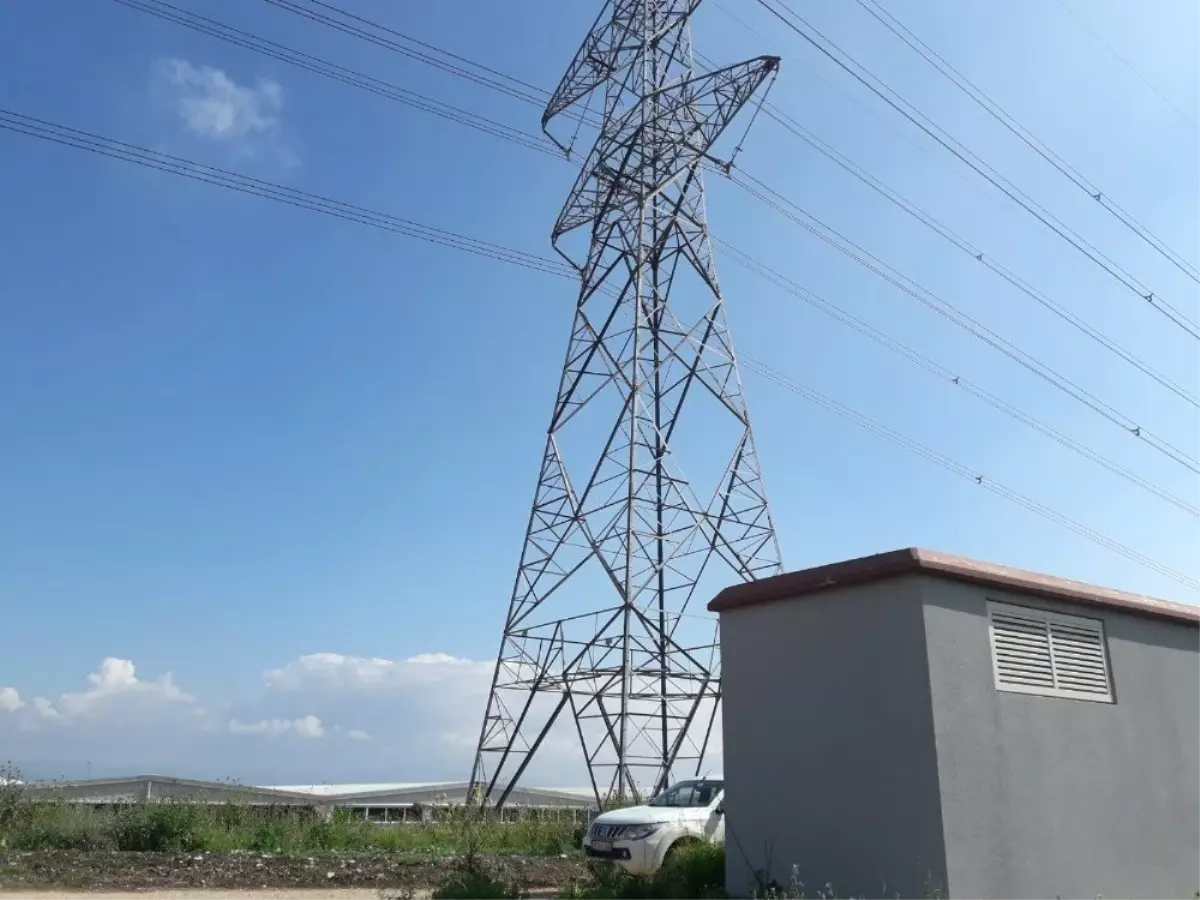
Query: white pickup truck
[{"x": 641, "y": 838}]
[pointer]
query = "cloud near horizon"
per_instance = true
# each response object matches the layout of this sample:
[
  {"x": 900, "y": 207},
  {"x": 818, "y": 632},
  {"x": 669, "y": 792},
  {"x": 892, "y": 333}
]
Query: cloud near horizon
[{"x": 321, "y": 717}]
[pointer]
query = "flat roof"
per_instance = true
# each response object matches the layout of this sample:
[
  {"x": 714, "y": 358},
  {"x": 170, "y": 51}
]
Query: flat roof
[{"x": 914, "y": 560}]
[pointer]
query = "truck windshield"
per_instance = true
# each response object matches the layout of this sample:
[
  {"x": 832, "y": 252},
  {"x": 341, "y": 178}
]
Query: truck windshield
[{"x": 689, "y": 793}]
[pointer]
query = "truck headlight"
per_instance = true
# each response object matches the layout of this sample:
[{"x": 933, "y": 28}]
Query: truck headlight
[{"x": 638, "y": 832}]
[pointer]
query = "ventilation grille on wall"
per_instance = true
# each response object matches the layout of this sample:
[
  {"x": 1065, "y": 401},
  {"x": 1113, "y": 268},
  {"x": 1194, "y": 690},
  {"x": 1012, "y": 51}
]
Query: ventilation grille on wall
[{"x": 1036, "y": 652}]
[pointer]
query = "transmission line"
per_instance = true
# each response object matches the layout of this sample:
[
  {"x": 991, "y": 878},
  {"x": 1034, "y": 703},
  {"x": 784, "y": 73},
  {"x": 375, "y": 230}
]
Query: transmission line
[
  {"x": 220, "y": 30},
  {"x": 953, "y": 314},
  {"x": 1132, "y": 68},
  {"x": 84, "y": 140},
  {"x": 910, "y": 112},
  {"x": 964, "y": 471},
  {"x": 832, "y": 310},
  {"x": 790, "y": 124},
  {"x": 900, "y": 30},
  {"x": 414, "y": 49},
  {"x": 39, "y": 128},
  {"x": 399, "y": 42},
  {"x": 213, "y": 28}
]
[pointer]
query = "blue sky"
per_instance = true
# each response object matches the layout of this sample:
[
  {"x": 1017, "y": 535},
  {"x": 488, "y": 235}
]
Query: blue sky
[{"x": 237, "y": 436}]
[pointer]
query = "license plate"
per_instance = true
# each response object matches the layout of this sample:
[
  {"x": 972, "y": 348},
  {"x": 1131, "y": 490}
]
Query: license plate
[{"x": 602, "y": 846}]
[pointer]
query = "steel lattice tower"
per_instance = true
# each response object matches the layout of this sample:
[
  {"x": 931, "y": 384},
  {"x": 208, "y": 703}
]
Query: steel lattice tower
[{"x": 620, "y": 541}]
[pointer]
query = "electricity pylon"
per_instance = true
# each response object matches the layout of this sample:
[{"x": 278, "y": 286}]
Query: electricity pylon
[{"x": 620, "y": 541}]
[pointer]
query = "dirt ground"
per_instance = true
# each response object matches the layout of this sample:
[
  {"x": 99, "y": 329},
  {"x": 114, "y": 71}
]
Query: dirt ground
[
  {"x": 48, "y": 874},
  {"x": 213, "y": 894}
]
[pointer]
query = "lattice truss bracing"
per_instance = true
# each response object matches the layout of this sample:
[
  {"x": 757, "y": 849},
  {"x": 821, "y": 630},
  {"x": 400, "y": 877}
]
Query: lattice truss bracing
[{"x": 649, "y": 496}]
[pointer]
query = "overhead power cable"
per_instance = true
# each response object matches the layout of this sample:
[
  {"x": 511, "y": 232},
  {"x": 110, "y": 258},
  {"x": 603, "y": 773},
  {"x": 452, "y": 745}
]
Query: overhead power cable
[
  {"x": 1039, "y": 212},
  {"x": 959, "y": 80},
  {"x": 891, "y": 127},
  {"x": 422, "y": 51},
  {"x": 39, "y": 128},
  {"x": 84, "y": 140},
  {"x": 397, "y": 41},
  {"x": 220, "y": 30},
  {"x": 401, "y": 43},
  {"x": 964, "y": 471},
  {"x": 1129, "y": 65},
  {"x": 832, "y": 310},
  {"x": 213, "y": 28},
  {"x": 949, "y": 311},
  {"x": 790, "y": 124}
]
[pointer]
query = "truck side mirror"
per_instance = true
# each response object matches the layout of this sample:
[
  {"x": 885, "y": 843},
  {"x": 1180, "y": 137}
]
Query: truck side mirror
[{"x": 720, "y": 810}]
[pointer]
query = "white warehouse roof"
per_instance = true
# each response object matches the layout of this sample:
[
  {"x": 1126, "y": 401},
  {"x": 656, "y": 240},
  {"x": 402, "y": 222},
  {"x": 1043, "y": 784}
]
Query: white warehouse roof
[{"x": 404, "y": 793}]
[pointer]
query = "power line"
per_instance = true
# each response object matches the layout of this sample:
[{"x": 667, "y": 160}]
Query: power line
[
  {"x": 898, "y": 28},
  {"x": 830, "y": 309},
  {"x": 790, "y": 124},
  {"x": 1083, "y": 23},
  {"x": 213, "y": 28},
  {"x": 964, "y": 471},
  {"x": 953, "y": 314},
  {"x": 866, "y": 109},
  {"x": 404, "y": 45},
  {"x": 945, "y": 232},
  {"x": 398, "y": 42},
  {"x": 39, "y": 128},
  {"x": 238, "y": 37},
  {"x": 163, "y": 10},
  {"x": 83, "y": 140},
  {"x": 910, "y": 112},
  {"x": 216, "y": 29},
  {"x": 360, "y": 81}
]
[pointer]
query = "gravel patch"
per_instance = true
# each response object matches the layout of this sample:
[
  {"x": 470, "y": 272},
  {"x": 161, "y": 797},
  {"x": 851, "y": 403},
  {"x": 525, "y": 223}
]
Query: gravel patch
[{"x": 124, "y": 871}]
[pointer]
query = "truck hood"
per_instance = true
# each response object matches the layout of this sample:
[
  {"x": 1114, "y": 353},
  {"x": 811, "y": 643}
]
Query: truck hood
[{"x": 640, "y": 815}]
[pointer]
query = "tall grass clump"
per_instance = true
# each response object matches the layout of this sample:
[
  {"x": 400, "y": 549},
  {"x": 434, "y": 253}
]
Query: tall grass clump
[
  {"x": 167, "y": 826},
  {"x": 695, "y": 870},
  {"x": 158, "y": 828}
]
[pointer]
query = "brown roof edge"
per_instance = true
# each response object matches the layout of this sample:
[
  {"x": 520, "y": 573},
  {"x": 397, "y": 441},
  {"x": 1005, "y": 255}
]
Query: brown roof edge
[{"x": 959, "y": 568}]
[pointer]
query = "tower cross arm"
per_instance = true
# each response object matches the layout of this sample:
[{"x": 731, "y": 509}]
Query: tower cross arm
[
  {"x": 616, "y": 39},
  {"x": 688, "y": 117}
]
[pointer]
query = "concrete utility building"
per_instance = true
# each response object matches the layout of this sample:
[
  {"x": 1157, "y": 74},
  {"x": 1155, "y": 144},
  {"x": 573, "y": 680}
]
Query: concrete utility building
[{"x": 913, "y": 721}]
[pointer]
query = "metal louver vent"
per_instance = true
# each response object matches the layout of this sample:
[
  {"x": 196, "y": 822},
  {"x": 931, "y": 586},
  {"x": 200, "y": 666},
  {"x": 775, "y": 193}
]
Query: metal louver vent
[{"x": 1036, "y": 652}]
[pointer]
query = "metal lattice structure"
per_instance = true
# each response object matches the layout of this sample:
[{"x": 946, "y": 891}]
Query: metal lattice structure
[{"x": 620, "y": 541}]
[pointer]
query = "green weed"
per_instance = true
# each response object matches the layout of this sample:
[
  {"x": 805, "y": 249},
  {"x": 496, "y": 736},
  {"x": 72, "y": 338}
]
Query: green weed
[
  {"x": 221, "y": 828},
  {"x": 693, "y": 871}
]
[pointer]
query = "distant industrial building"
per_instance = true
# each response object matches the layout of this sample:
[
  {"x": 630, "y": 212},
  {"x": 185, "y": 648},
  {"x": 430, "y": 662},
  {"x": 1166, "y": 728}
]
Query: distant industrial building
[
  {"x": 384, "y": 803},
  {"x": 916, "y": 722}
]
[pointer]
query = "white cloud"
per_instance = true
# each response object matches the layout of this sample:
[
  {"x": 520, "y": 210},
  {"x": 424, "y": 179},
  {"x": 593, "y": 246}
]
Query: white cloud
[
  {"x": 306, "y": 727},
  {"x": 45, "y": 709},
  {"x": 212, "y": 105},
  {"x": 414, "y": 719},
  {"x": 116, "y": 685},
  {"x": 333, "y": 671},
  {"x": 10, "y": 700}
]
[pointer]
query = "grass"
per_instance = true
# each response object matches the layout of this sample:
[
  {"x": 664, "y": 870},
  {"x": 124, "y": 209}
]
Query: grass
[
  {"x": 281, "y": 830},
  {"x": 28, "y": 824},
  {"x": 697, "y": 871}
]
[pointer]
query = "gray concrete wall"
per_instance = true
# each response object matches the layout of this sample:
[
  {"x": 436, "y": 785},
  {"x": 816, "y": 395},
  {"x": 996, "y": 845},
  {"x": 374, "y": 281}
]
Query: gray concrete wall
[
  {"x": 1047, "y": 797},
  {"x": 828, "y": 742}
]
